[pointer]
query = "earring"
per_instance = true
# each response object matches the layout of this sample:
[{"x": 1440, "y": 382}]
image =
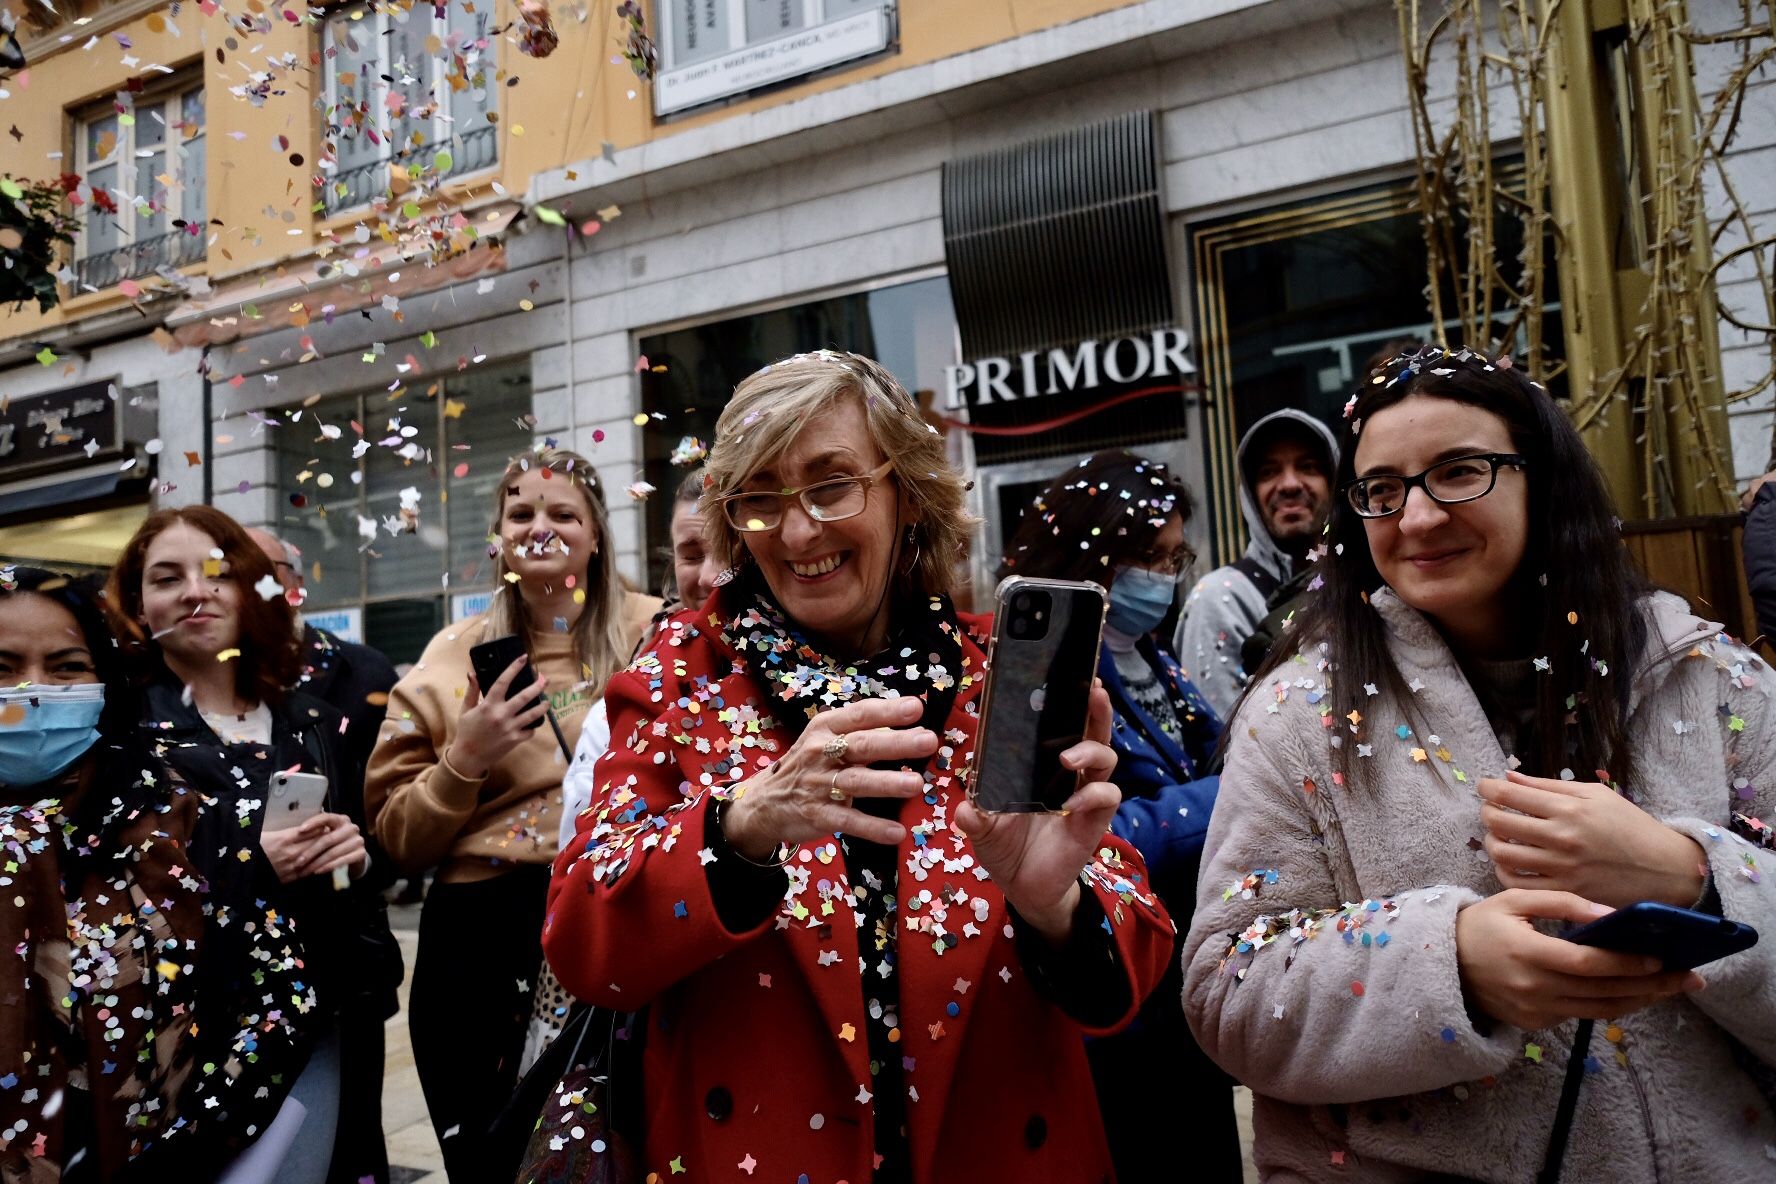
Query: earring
[{"x": 912, "y": 540}]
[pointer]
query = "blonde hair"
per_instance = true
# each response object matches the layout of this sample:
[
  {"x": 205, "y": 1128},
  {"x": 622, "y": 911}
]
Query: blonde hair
[
  {"x": 601, "y": 645},
  {"x": 771, "y": 408}
]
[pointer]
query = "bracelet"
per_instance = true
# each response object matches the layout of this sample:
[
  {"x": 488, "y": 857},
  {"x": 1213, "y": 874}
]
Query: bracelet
[
  {"x": 444, "y": 759},
  {"x": 784, "y": 850}
]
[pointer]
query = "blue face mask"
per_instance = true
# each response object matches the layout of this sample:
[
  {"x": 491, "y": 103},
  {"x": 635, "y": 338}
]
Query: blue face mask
[
  {"x": 43, "y": 730},
  {"x": 1139, "y": 600}
]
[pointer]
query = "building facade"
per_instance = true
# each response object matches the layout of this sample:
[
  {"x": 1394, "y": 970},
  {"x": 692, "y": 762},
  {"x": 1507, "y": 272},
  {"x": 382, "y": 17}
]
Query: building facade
[{"x": 1067, "y": 224}]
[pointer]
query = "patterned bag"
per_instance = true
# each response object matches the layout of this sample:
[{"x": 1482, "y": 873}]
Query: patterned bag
[{"x": 577, "y": 1139}]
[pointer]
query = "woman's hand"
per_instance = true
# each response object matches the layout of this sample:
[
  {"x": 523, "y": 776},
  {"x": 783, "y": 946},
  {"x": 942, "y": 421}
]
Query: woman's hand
[
  {"x": 1520, "y": 976},
  {"x": 793, "y": 801},
  {"x": 493, "y": 726},
  {"x": 1585, "y": 838},
  {"x": 324, "y": 842},
  {"x": 1035, "y": 859}
]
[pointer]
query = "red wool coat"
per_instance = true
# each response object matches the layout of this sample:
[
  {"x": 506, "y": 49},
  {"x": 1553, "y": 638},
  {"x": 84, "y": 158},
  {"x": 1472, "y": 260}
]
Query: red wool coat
[{"x": 756, "y": 1064}]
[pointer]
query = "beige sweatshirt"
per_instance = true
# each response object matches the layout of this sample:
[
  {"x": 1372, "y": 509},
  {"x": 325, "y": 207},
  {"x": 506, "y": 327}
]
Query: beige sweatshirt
[{"x": 425, "y": 813}]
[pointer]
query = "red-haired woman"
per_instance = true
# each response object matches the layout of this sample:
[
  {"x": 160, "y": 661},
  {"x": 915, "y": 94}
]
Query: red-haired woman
[{"x": 215, "y": 647}]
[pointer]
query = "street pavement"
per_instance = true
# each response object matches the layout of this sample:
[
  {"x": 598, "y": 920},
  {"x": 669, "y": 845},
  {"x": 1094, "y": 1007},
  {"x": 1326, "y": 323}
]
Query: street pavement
[{"x": 414, "y": 1157}]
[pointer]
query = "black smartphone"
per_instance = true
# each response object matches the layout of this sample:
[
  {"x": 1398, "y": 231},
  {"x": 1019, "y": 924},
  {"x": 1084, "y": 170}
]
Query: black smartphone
[
  {"x": 1041, "y": 662},
  {"x": 1682, "y": 939},
  {"x": 490, "y": 660}
]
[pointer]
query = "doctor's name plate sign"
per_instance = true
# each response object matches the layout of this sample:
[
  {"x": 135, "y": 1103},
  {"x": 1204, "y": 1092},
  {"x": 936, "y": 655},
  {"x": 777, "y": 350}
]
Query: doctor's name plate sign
[
  {"x": 777, "y": 46},
  {"x": 56, "y": 430}
]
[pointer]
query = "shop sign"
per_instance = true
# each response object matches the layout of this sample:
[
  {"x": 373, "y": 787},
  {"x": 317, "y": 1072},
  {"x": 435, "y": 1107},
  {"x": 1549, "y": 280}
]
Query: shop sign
[
  {"x": 1034, "y": 374},
  {"x": 801, "y": 52},
  {"x": 54, "y": 431},
  {"x": 347, "y": 624}
]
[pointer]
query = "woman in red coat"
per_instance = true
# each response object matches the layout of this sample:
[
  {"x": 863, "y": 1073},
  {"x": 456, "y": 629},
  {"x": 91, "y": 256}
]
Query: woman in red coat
[{"x": 853, "y": 975}]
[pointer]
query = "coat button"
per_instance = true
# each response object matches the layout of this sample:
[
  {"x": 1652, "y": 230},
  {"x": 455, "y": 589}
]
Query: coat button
[
  {"x": 1035, "y": 1132},
  {"x": 718, "y": 1103}
]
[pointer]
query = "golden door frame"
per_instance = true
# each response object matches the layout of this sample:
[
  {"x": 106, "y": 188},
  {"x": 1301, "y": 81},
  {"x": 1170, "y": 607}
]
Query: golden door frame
[{"x": 1208, "y": 247}]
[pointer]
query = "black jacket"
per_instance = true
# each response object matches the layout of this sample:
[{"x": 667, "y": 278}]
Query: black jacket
[
  {"x": 355, "y": 681},
  {"x": 356, "y": 962}
]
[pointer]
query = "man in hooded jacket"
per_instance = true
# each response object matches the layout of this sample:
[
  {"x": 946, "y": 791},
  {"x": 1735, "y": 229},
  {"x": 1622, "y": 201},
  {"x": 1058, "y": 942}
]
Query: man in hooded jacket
[{"x": 1286, "y": 462}]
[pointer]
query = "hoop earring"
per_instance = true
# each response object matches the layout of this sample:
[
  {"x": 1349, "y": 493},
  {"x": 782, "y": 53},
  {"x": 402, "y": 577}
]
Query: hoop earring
[{"x": 912, "y": 539}]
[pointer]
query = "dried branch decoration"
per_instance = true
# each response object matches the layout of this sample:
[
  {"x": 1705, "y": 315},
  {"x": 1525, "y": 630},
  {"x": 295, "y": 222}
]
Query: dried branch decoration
[{"x": 1656, "y": 364}]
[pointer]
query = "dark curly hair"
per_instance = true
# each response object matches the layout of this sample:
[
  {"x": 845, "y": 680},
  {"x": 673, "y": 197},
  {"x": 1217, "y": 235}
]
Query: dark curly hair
[{"x": 1102, "y": 513}]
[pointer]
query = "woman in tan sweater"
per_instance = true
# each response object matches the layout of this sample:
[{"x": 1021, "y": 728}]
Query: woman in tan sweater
[{"x": 460, "y": 781}]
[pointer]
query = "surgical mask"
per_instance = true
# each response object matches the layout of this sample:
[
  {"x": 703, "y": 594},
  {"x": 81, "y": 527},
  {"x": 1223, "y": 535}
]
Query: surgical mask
[
  {"x": 1139, "y": 600},
  {"x": 44, "y": 730}
]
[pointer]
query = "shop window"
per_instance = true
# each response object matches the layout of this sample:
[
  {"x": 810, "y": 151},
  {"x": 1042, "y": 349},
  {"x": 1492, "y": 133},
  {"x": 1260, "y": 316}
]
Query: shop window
[
  {"x": 142, "y": 160},
  {"x": 1293, "y": 302},
  {"x": 440, "y": 445},
  {"x": 402, "y": 85},
  {"x": 720, "y": 49},
  {"x": 910, "y": 328}
]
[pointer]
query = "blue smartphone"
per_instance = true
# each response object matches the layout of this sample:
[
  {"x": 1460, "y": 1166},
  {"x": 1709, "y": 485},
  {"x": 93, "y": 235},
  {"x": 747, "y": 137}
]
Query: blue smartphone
[{"x": 1682, "y": 939}]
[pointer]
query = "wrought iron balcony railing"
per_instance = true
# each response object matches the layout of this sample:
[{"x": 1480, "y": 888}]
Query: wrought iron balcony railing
[
  {"x": 174, "y": 249},
  {"x": 358, "y": 186}
]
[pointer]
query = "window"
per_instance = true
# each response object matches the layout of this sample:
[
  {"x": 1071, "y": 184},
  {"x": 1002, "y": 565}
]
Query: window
[
  {"x": 716, "y": 49},
  {"x": 142, "y": 161},
  {"x": 909, "y": 327},
  {"x": 402, "y": 86},
  {"x": 446, "y": 441},
  {"x": 1293, "y": 302}
]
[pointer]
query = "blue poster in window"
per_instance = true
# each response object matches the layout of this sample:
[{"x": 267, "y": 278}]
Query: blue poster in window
[{"x": 347, "y": 624}]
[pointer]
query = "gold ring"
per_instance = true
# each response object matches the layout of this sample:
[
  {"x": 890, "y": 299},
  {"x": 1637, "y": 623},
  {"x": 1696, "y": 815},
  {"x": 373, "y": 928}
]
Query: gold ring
[
  {"x": 835, "y": 793},
  {"x": 835, "y": 748}
]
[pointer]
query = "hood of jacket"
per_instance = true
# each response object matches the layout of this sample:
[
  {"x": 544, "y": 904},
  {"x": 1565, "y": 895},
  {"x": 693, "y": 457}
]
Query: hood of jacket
[{"x": 1262, "y": 549}]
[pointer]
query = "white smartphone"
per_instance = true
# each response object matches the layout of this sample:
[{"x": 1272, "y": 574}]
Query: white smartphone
[{"x": 293, "y": 799}]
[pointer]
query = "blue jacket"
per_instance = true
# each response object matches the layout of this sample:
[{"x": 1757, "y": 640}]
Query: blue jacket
[{"x": 1166, "y": 805}]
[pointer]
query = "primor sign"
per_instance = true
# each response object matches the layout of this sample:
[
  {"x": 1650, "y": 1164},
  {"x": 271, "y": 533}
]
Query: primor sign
[{"x": 1121, "y": 361}]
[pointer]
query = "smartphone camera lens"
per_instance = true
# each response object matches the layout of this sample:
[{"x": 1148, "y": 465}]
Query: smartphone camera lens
[{"x": 1021, "y": 601}]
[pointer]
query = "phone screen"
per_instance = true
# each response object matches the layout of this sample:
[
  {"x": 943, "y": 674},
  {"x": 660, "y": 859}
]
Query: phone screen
[{"x": 1044, "y": 657}]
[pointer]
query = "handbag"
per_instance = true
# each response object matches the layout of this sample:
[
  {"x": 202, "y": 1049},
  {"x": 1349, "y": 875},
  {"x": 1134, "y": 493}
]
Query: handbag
[{"x": 575, "y": 1118}]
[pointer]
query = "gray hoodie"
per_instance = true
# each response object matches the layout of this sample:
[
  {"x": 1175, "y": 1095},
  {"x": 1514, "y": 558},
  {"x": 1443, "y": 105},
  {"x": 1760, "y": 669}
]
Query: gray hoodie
[
  {"x": 1321, "y": 971},
  {"x": 1225, "y": 606}
]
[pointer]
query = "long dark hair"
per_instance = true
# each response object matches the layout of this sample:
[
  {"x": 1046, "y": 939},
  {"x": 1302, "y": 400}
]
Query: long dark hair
[
  {"x": 270, "y": 650},
  {"x": 83, "y": 597},
  {"x": 1574, "y": 563},
  {"x": 1102, "y": 513}
]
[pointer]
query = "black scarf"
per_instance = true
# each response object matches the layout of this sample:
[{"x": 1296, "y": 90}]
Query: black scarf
[{"x": 923, "y": 658}]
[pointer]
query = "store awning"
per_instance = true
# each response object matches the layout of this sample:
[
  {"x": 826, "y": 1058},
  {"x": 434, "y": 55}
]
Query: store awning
[
  {"x": 1058, "y": 240},
  {"x": 74, "y": 508}
]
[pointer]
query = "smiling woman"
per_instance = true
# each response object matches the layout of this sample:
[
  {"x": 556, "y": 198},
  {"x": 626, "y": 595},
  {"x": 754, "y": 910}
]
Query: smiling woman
[
  {"x": 215, "y": 647},
  {"x": 467, "y": 780},
  {"x": 1484, "y": 728},
  {"x": 836, "y": 940}
]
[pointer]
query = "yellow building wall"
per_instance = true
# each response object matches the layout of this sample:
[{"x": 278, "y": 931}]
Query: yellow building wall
[{"x": 553, "y": 112}]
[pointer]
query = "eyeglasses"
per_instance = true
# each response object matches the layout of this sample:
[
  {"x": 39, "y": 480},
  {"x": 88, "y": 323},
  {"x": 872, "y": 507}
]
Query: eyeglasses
[
  {"x": 1450, "y": 482},
  {"x": 1168, "y": 563},
  {"x": 824, "y": 501}
]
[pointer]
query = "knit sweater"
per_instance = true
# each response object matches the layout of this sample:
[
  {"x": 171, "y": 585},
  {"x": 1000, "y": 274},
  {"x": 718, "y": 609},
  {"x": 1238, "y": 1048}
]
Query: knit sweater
[
  {"x": 426, "y": 813},
  {"x": 1321, "y": 967}
]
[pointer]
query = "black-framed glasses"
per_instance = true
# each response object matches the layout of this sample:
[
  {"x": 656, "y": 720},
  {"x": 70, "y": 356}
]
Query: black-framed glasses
[
  {"x": 1450, "y": 482},
  {"x": 833, "y": 500}
]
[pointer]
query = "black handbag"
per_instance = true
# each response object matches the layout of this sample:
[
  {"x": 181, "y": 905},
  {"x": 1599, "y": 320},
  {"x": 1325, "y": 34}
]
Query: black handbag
[{"x": 575, "y": 1118}]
